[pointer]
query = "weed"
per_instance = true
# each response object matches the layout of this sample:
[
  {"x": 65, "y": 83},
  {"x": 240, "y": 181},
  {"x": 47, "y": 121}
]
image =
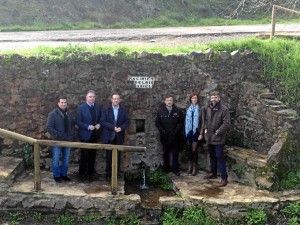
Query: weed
[
  {"x": 240, "y": 170},
  {"x": 28, "y": 155},
  {"x": 65, "y": 219},
  {"x": 37, "y": 216},
  {"x": 132, "y": 176},
  {"x": 130, "y": 220},
  {"x": 110, "y": 220},
  {"x": 89, "y": 218},
  {"x": 159, "y": 177},
  {"x": 15, "y": 218},
  {"x": 229, "y": 221},
  {"x": 197, "y": 216},
  {"x": 293, "y": 220},
  {"x": 292, "y": 210},
  {"x": 256, "y": 217},
  {"x": 171, "y": 216}
]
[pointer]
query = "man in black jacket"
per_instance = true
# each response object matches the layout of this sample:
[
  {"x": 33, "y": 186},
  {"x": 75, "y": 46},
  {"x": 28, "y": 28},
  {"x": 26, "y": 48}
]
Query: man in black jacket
[
  {"x": 169, "y": 123},
  {"x": 59, "y": 125}
]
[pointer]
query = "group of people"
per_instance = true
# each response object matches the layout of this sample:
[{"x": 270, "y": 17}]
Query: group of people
[
  {"x": 210, "y": 123},
  {"x": 112, "y": 120}
]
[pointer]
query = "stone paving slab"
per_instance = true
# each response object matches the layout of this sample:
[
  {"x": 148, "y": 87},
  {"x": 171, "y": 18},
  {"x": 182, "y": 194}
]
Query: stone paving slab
[
  {"x": 8, "y": 165},
  {"x": 231, "y": 201},
  {"x": 98, "y": 188}
]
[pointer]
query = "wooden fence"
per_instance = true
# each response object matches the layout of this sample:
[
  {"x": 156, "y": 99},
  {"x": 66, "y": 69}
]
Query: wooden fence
[
  {"x": 37, "y": 143},
  {"x": 274, "y": 10}
]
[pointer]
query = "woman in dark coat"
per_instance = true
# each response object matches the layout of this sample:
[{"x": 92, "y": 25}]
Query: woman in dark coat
[{"x": 192, "y": 127}]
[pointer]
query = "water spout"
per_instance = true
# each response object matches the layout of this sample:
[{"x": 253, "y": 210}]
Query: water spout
[{"x": 144, "y": 186}]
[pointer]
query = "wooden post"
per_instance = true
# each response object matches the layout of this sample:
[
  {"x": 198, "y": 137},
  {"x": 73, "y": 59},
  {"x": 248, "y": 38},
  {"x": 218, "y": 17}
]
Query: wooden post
[
  {"x": 114, "y": 171},
  {"x": 273, "y": 22},
  {"x": 37, "y": 174},
  {"x": 277, "y": 7}
]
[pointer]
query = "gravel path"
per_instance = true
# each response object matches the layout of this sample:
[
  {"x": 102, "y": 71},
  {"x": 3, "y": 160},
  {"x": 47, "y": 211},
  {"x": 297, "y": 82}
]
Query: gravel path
[{"x": 172, "y": 36}]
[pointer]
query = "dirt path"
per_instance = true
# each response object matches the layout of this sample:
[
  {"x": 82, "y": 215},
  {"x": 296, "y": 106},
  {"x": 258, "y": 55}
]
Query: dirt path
[{"x": 172, "y": 36}]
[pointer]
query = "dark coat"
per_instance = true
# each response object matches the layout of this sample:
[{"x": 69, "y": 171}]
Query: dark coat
[
  {"x": 217, "y": 123},
  {"x": 108, "y": 124},
  {"x": 169, "y": 125},
  {"x": 56, "y": 125},
  {"x": 84, "y": 119}
]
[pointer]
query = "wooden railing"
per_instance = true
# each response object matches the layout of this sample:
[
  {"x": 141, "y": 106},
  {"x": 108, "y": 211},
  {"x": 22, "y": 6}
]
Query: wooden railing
[
  {"x": 37, "y": 143},
  {"x": 274, "y": 10}
]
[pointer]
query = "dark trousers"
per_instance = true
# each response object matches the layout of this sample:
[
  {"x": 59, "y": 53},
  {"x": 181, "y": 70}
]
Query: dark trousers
[
  {"x": 217, "y": 160},
  {"x": 109, "y": 157},
  {"x": 167, "y": 149},
  {"x": 88, "y": 158}
]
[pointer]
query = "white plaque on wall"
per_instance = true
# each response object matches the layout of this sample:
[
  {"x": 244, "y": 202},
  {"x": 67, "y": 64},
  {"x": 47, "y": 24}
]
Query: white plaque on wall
[{"x": 143, "y": 81}]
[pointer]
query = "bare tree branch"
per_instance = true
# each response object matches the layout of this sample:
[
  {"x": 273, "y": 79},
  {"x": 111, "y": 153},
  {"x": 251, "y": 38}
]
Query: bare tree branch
[{"x": 248, "y": 6}]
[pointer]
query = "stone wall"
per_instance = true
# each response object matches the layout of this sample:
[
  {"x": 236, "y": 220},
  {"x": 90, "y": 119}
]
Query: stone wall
[{"x": 29, "y": 87}]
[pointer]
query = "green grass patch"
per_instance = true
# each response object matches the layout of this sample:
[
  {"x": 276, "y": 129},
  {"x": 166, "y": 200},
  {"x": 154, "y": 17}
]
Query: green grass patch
[
  {"x": 170, "y": 20},
  {"x": 281, "y": 59}
]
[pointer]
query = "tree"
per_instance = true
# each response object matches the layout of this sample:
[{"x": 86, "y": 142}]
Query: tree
[{"x": 241, "y": 7}]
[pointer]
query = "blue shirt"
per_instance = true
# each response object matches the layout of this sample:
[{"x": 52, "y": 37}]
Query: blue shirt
[{"x": 116, "y": 110}]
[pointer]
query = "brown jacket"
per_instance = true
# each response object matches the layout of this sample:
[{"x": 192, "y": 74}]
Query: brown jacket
[{"x": 217, "y": 123}]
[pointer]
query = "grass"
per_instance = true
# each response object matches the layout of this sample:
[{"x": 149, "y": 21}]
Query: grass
[
  {"x": 162, "y": 21},
  {"x": 281, "y": 58}
]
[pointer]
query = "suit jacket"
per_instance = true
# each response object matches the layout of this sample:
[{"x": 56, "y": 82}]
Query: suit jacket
[
  {"x": 108, "y": 124},
  {"x": 84, "y": 119}
]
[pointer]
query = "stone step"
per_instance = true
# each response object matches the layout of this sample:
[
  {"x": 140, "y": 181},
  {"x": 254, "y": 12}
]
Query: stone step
[
  {"x": 74, "y": 196},
  {"x": 270, "y": 102},
  {"x": 288, "y": 113},
  {"x": 267, "y": 95},
  {"x": 10, "y": 168},
  {"x": 244, "y": 166},
  {"x": 232, "y": 201},
  {"x": 278, "y": 107}
]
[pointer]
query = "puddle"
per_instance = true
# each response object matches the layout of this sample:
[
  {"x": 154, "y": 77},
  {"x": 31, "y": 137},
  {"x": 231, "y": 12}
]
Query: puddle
[
  {"x": 149, "y": 196},
  {"x": 97, "y": 189},
  {"x": 207, "y": 191}
]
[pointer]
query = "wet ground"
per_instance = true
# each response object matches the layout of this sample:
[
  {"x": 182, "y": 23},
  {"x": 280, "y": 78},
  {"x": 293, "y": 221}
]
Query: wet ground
[{"x": 149, "y": 195}]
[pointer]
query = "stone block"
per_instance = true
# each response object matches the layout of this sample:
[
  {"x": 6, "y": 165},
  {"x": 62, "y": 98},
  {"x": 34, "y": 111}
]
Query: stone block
[
  {"x": 198, "y": 55},
  {"x": 224, "y": 55},
  {"x": 236, "y": 55}
]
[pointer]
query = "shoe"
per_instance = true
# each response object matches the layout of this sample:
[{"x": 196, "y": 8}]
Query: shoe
[
  {"x": 166, "y": 169},
  {"x": 223, "y": 183},
  {"x": 65, "y": 178},
  {"x": 81, "y": 178},
  {"x": 195, "y": 169},
  {"x": 90, "y": 178},
  {"x": 210, "y": 176},
  {"x": 176, "y": 173},
  {"x": 190, "y": 168},
  {"x": 57, "y": 179}
]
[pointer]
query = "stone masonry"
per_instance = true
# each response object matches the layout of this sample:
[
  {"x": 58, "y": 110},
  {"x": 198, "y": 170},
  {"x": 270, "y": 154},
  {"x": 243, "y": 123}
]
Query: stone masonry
[{"x": 29, "y": 88}]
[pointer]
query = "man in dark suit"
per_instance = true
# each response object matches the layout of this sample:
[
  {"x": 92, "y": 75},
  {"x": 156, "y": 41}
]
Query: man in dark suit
[
  {"x": 114, "y": 121},
  {"x": 88, "y": 119}
]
